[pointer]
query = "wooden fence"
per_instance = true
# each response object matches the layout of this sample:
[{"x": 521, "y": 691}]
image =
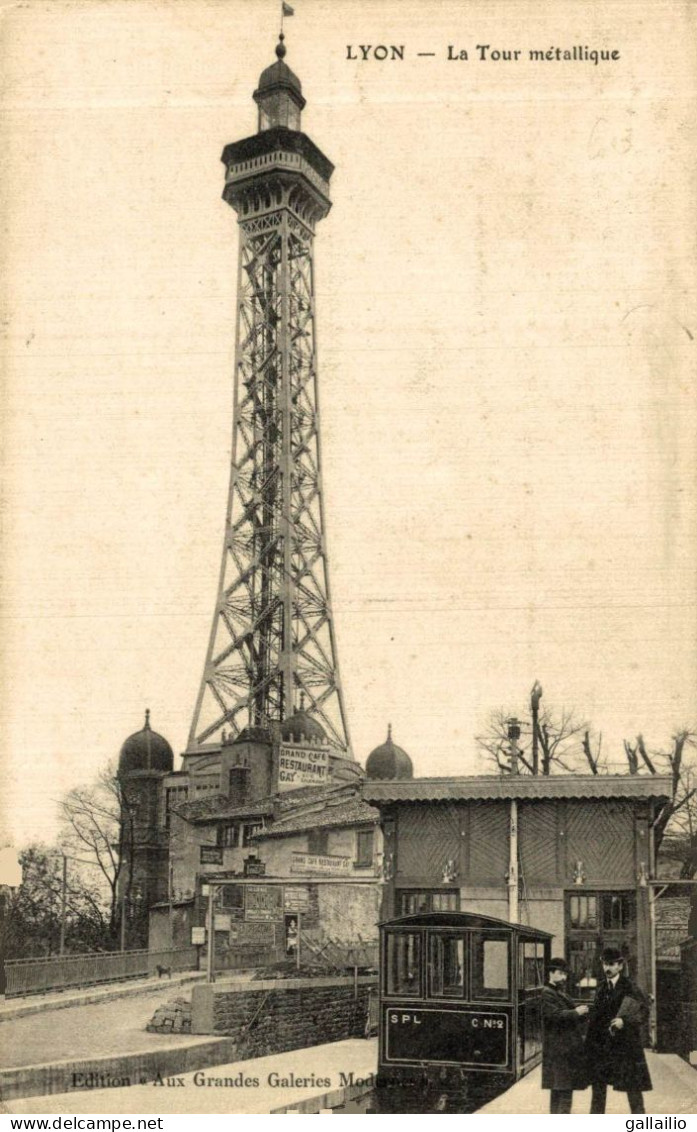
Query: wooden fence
[{"x": 58, "y": 972}]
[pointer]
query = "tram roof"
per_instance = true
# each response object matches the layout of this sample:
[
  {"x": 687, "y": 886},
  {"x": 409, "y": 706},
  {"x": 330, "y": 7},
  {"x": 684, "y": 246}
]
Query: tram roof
[
  {"x": 461, "y": 920},
  {"x": 491, "y": 787}
]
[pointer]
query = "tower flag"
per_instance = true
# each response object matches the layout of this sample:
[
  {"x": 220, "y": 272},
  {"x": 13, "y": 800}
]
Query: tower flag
[{"x": 287, "y": 10}]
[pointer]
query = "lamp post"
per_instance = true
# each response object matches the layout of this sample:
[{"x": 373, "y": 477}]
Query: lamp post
[
  {"x": 170, "y": 899},
  {"x": 64, "y": 893},
  {"x": 210, "y": 940},
  {"x": 513, "y": 735}
]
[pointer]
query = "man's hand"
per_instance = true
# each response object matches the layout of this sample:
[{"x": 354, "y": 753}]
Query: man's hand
[
  {"x": 581, "y": 1009},
  {"x": 616, "y": 1024}
]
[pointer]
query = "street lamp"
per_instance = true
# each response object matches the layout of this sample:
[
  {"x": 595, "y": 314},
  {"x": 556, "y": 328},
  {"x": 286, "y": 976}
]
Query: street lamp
[{"x": 513, "y": 735}]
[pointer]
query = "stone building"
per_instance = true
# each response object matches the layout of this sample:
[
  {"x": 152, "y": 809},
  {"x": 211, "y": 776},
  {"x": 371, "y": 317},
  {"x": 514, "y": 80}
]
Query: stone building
[{"x": 277, "y": 824}]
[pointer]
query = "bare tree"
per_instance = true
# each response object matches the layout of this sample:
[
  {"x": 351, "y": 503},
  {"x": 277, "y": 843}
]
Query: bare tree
[
  {"x": 555, "y": 739},
  {"x": 678, "y": 818},
  {"x": 92, "y": 824},
  {"x": 632, "y": 757},
  {"x": 593, "y": 757}
]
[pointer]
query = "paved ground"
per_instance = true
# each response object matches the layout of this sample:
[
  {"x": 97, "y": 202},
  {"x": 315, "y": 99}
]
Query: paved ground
[
  {"x": 74, "y": 996},
  {"x": 276, "y": 1076},
  {"x": 116, "y": 1026},
  {"x": 674, "y": 1092},
  {"x": 88, "y": 1030},
  {"x": 92, "y": 1022},
  {"x": 264, "y": 1084}
]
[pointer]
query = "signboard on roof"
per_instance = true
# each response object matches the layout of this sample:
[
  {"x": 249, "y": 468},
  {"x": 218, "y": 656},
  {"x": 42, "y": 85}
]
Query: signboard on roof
[{"x": 302, "y": 766}]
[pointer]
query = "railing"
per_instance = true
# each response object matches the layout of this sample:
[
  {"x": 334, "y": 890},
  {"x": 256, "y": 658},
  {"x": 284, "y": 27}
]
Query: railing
[
  {"x": 56, "y": 972},
  {"x": 244, "y": 958},
  {"x": 282, "y": 159},
  {"x": 335, "y": 955}
]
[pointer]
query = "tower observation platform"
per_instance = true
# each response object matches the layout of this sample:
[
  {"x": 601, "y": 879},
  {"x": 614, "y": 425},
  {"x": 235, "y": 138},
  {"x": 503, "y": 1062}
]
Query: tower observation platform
[{"x": 272, "y": 639}]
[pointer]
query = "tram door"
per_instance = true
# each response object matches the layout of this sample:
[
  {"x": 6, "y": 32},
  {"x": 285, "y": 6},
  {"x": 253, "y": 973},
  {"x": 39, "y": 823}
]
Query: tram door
[{"x": 531, "y": 978}]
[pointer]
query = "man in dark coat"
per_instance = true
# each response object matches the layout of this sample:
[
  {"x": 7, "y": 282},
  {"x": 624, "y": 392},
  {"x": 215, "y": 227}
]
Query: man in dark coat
[
  {"x": 614, "y": 1048},
  {"x": 563, "y": 1064}
]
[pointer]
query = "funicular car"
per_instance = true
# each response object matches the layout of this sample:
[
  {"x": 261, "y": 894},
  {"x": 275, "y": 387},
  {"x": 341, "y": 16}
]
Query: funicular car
[{"x": 460, "y": 1001}]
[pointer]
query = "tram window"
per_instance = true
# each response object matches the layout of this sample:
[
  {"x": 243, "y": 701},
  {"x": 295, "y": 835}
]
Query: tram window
[
  {"x": 532, "y": 972},
  {"x": 447, "y": 966},
  {"x": 490, "y": 977},
  {"x": 403, "y": 963}
]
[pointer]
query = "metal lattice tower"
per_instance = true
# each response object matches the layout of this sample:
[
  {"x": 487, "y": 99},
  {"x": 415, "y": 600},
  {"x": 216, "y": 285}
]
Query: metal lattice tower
[{"x": 273, "y": 635}]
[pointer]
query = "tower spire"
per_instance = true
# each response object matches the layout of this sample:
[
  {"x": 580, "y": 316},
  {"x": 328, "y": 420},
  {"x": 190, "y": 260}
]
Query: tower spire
[{"x": 272, "y": 637}]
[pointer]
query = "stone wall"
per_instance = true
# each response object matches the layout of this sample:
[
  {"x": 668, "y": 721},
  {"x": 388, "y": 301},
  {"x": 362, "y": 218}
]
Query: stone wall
[
  {"x": 166, "y": 932},
  {"x": 171, "y": 1018},
  {"x": 277, "y": 1016}
]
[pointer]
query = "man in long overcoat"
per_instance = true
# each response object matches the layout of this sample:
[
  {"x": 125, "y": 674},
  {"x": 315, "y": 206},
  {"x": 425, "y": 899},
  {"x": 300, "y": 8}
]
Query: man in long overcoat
[
  {"x": 614, "y": 1047},
  {"x": 563, "y": 1063}
]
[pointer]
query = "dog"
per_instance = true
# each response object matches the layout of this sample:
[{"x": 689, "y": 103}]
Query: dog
[{"x": 161, "y": 971}]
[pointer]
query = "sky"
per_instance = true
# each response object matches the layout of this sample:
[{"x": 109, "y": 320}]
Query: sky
[{"x": 505, "y": 292}]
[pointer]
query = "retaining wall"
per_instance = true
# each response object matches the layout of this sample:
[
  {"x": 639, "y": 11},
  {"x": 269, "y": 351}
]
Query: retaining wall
[{"x": 270, "y": 1016}]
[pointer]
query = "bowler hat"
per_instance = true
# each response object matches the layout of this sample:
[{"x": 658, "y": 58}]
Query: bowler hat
[
  {"x": 557, "y": 965},
  {"x": 612, "y": 955}
]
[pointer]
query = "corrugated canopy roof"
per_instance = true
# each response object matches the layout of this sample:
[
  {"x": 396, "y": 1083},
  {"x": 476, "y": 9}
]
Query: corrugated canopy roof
[{"x": 492, "y": 787}]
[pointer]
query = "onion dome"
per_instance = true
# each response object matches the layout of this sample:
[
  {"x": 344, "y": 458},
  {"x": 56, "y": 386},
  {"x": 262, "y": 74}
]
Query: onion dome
[
  {"x": 301, "y": 727},
  {"x": 279, "y": 94},
  {"x": 389, "y": 761},
  {"x": 278, "y": 75},
  {"x": 146, "y": 750}
]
